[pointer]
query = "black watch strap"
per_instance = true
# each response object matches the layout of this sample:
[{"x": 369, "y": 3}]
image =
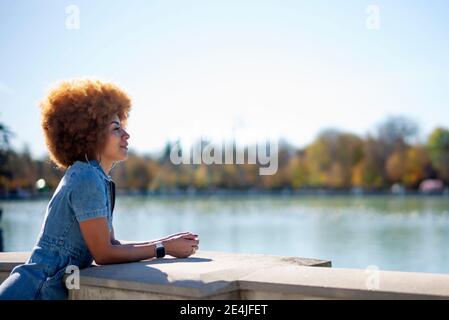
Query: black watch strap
[{"x": 160, "y": 250}]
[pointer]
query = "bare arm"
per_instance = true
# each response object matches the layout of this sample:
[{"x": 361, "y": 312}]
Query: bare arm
[
  {"x": 106, "y": 250},
  {"x": 98, "y": 240},
  {"x": 116, "y": 242}
]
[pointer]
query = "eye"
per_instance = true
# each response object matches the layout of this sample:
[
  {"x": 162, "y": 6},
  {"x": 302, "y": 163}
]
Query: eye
[{"x": 116, "y": 129}]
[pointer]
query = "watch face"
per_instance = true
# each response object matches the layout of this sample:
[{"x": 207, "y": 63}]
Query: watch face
[{"x": 160, "y": 250}]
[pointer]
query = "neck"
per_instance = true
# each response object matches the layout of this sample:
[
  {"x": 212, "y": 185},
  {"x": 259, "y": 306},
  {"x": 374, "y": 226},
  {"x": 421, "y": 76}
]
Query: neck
[{"x": 106, "y": 165}]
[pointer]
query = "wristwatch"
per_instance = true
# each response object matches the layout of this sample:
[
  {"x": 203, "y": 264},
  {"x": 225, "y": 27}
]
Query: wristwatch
[{"x": 160, "y": 250}]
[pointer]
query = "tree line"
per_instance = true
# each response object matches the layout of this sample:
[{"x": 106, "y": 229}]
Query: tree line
[{"x": 334, "y": 160}]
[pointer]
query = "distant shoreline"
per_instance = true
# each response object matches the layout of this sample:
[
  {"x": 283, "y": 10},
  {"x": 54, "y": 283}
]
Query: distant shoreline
[{"x": 222, "y": 193}]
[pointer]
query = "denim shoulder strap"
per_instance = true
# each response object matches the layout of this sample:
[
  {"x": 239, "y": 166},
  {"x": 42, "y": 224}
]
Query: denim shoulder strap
[{"x": 112, "y": 189}]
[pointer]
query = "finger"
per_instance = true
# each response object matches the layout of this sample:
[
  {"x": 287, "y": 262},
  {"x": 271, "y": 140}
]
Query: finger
[
  {"x": 193, "y": 242},
  {"x": 181, "y": 233},
  {"x": 189, "y": 236},
  {"x": 175, "y": 235}
]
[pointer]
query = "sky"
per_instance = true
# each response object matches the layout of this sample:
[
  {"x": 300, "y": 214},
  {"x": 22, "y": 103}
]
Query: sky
[{"x": 221, "y": 69}]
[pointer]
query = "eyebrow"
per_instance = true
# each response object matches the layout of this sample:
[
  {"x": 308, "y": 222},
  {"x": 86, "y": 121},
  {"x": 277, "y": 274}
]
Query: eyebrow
[{"x": 116, "y": 122}]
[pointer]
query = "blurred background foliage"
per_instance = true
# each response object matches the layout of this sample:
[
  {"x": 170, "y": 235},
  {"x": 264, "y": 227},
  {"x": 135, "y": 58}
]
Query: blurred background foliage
[{"x": 334, "y": 160}]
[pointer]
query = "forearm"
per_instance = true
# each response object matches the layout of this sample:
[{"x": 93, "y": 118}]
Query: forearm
[
  {"x": 123, "y": 242},
  {"x": 121, "y": 253}
]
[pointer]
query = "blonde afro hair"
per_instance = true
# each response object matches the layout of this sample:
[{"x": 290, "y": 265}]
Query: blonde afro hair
[{"x": 76, "y": 115}]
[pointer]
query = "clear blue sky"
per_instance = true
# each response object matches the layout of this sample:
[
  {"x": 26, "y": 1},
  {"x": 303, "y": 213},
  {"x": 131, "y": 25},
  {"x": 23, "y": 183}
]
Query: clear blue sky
[{"x": 214, "y": 68}]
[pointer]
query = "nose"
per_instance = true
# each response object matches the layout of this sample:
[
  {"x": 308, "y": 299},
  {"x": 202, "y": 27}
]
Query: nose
[{"x": 125, "y": 135}]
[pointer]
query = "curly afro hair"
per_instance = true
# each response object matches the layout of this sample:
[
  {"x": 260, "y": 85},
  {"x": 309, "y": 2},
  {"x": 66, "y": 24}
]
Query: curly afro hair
[{"x": 76, "y": 116}]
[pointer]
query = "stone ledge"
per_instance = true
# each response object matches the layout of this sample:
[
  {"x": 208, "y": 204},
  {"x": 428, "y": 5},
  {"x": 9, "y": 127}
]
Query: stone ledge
[
  {"x": 298, "y": 282},
  {"x": 221, "y": 275},
  {"x": 203, "y": 275}
]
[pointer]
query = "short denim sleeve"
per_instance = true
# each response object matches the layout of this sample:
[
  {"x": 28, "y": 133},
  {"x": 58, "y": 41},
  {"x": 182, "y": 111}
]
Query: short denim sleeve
[{"x": 88, "y": 196}]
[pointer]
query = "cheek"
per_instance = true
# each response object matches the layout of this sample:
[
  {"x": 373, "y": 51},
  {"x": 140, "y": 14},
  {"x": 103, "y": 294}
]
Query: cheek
[{"x": 112, "y": 143}]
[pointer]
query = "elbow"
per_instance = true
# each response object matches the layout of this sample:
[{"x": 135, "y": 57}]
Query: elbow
[
  {"x": 101, "y": 260},
  {"x": 104, "y": 257}
]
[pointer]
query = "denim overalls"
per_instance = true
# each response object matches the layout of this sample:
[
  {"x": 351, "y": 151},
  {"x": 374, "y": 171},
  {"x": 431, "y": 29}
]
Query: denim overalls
[{"x": 84, "y": 192}]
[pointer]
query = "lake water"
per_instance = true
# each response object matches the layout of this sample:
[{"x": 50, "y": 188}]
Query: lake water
[{"x": 393, "y": 233}]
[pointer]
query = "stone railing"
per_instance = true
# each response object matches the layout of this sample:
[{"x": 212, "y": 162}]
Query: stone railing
[{"x": 220, "y": 275}]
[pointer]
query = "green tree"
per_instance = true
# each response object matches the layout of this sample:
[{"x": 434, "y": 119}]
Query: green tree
[
  {"x": 369, "y": 172},
  {"x": 331, "y": 158},
  {"x": 438, "y": 148},
  {"x": 298, "y": 171}
]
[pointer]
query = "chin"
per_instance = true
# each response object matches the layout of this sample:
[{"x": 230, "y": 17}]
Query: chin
[{"x": 123, "y": 155}]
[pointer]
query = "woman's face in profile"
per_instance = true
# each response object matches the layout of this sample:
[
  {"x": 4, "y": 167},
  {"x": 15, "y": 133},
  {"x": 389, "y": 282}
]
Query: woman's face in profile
[{"x": 116, "y": 146}]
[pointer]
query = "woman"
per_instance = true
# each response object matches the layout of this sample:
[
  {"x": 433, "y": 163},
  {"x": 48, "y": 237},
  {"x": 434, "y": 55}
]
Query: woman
[{"x": 83, "y": 123}]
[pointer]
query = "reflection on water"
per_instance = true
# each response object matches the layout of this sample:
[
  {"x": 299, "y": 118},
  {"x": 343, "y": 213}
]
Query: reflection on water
[{"x": 393, "y": 233}]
